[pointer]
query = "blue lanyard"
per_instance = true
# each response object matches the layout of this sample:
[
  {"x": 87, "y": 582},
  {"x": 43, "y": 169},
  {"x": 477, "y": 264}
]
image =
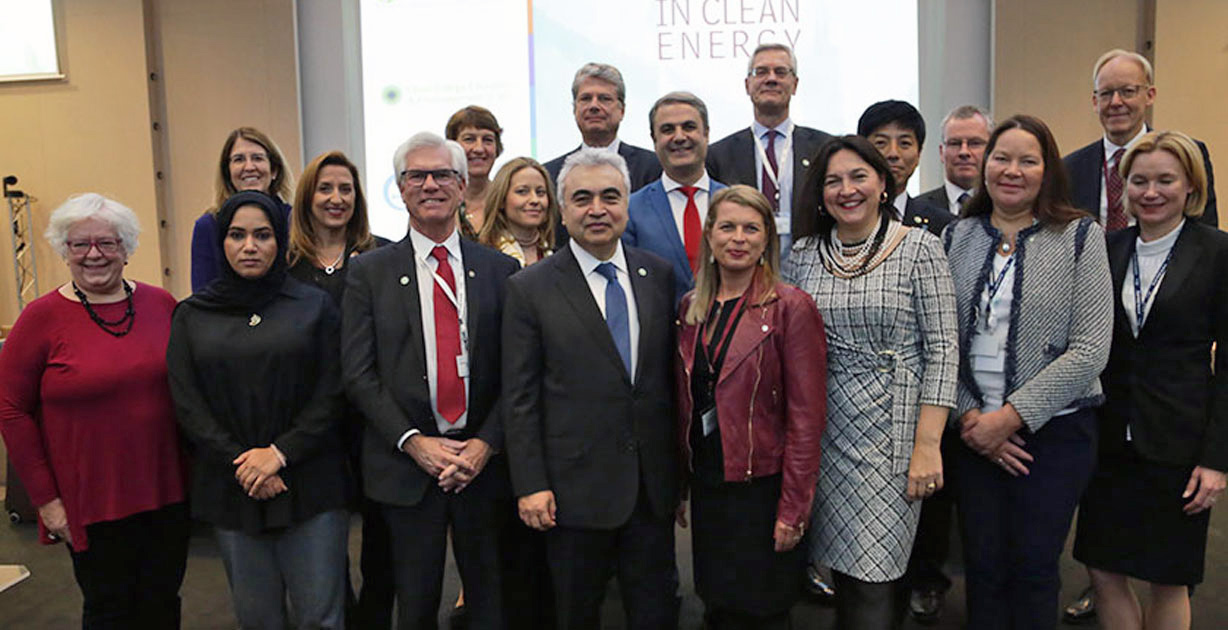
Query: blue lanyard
[
  {"x": 993, "y": 286},
  {"x": 1141, "y": 301}
]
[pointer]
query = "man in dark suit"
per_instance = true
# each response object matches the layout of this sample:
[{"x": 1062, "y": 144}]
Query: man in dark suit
[
  {"x": 773, "y": 154},
  {"x": 421, "y": 359},
  {"x": 897, "y": 130},
  {"x": 667, "y": 216},
  {"x": 587, "y": 362},
  {"x": 599, "y": 99},
  {"x": 965, "y": 134},
  {"x": 1122, "y": 90}
]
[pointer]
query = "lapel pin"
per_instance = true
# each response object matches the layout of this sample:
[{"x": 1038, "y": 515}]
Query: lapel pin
[
  {"x": 255, "y": 320},
  {"x": 916, "y": 219},
  {"x": 404, "y": 280},
  {"x": 472, "y": 274},
  {"x": 765, "y": 328},
  {"x": 805, "y": 162},
  {"x": 643, "y": 272}
]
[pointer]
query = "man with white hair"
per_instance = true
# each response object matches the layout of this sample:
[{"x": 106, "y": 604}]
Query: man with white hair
[
  {"x": 420, "y": 356},
  {"x": 965, "y": 134},
  {"x": 1122, "y": 90}
]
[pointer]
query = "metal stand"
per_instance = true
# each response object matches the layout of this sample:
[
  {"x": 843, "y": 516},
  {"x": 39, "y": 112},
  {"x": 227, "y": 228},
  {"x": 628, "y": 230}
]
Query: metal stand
[{"x": 25, "y": 267}]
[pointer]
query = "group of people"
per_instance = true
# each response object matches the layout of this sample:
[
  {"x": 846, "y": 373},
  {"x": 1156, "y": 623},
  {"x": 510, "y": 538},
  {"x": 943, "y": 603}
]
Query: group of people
[{"x": 767, "y": 340}]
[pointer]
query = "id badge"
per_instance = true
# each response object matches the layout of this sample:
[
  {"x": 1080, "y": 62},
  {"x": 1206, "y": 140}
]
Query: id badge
[
  {"x": 709, "y": 420},
  {"x": 462, "y": 366},
  {"x": 984, "y": 346},
  {"x": 783, "y": 226}
]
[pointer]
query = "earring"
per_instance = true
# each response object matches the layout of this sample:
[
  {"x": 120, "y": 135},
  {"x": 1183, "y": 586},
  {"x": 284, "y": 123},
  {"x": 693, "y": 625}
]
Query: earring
[
  {"x": 762, "y": 260},
  {"x": 711, "y": 259},
  {"x": 883, "y": 198}
]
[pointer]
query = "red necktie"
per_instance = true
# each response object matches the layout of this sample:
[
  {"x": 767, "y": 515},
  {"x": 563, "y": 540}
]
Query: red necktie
[
  {"x": 449, "y": 389},
  {"x": 691, "y": 227},
  {"x": 1115, "y": 215},
  {"x": 769, "y": 187}
]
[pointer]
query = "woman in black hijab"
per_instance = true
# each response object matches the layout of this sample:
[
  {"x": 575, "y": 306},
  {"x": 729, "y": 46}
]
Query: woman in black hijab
[{"x": 253, "y": 362}]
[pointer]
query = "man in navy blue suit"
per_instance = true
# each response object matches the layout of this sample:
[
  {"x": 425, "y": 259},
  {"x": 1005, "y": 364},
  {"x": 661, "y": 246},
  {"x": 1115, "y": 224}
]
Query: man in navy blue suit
[{"x": 667, "y": 216}]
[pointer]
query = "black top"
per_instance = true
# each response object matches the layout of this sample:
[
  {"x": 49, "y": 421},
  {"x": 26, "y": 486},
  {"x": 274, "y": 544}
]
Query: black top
[
  {"x": 332, "y": 283},
  {"x": 244, "y": 380},
  {"x": 707, "y": 460}
]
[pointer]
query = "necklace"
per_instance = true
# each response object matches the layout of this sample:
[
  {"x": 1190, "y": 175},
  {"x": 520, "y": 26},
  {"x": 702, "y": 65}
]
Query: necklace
[
  {"x": 1006, "y": 246},
  {"x": 331, "y": 269},
  {"x": 106, "y": 326},
  {"x": 537, "y": 236}
]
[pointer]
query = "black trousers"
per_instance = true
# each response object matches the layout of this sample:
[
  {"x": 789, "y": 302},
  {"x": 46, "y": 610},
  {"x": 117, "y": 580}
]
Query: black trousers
[
  {"x": 932, "y": 545},
  {"x": 869, "y": 605},
  {"x": 373, "y": 608},
  {"x": 419, "y": 537},
  {"x": 1014, "y": 528},
  {"x": 131, "y": 573},
  {"x": 641, "y": 552}
]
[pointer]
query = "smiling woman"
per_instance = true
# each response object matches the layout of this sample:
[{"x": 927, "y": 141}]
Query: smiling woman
[
  {"x": 521, "y": 210},
  {"x": 480, "y": 135}
]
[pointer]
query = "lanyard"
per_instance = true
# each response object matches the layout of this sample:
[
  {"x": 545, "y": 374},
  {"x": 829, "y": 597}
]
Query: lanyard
[
  {"x": 722, "y": 346},
  {"x": 447, "y": 290},
  {"x": 1141, "y": 301},
  {"x": 992, "y": 287},
  {"x": 785, "y": 155}
]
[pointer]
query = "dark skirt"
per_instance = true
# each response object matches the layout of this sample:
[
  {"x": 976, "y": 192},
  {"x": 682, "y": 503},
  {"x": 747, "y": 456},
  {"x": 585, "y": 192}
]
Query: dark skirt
[
  {"x": 736, "y": 567},
  {"x": 1130, "y": 522}
]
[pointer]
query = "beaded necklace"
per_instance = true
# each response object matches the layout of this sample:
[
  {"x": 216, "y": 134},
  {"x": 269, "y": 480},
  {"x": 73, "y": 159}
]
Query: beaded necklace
[{"x": 106, "y": 326}]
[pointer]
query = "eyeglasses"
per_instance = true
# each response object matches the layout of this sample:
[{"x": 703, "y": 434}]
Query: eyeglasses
[
  {"x": 442, "y": 176},
  {"x": 955, "y": 144},
  {"x": 1127, "y": 92},
  {"x": 104, "y": 245},
  {"x": 781, "y": 72}
]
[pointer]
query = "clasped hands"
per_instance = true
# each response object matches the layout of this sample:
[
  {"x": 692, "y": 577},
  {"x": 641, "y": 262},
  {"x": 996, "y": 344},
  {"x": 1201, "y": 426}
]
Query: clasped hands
[
  {"x": 454, "y": 463},
  {"x": 257, "y": 473},
  {"x": 995, "y": 436}
]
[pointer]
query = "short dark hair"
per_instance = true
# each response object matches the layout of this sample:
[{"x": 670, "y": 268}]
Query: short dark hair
[
  {"x": 677, "y": 98},
  {"x": 1053, "y": 207},
  {"x": 884, "y": 113},
  {"x": 812, "y": 220},
  {"x": 477, "y": 117}
]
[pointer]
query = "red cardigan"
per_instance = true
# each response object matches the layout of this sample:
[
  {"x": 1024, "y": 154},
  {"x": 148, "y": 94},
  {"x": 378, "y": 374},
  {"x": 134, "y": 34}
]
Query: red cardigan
[
  {"x": 771, "y": 396},
  {"x": 88, "y": 417}
]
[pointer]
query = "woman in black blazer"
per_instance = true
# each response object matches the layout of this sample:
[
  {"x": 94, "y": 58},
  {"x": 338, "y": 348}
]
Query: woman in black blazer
[{"x": 1164, "y": 425}]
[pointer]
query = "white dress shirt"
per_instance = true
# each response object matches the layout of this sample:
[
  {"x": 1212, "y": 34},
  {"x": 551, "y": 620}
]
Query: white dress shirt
[
  {"x": 784, "y": 160},
  {"x": 612, "y": 147},
  {"x": 597, "y": 284},
  {"x": 1109, "y": 150},
  {"x": 953, "y": 193},
  {"x": 425, "y": 266},
  {"x": 677, "y": 201},
  {"x": 901, "y": 204}
]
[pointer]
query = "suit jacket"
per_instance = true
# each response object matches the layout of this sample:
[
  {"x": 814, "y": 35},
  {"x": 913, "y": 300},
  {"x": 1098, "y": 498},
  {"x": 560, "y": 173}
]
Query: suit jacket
[
  {"x": 651, "y": 225},
  {"x": 642, "y": 164},
  {"x": 575, "y": 423},
  {"x": 920, "y": 213},
  {"x": 1084, "y": 169},
  {"x": 937, "y": 197},
  {"x": 1162, "y": 383},
  {"x": 383, "y": 357},
  {"x": 732, "y": 160}
]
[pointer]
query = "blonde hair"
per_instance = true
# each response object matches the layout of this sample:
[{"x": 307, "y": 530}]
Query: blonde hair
[
  {"x": 708, "y": 277},
  {"x": 282, "y": 184},
  {"x": 1187, "y": 153},
  {"x": 303, "y": 231},
  {"x": 494, "y": 220}
]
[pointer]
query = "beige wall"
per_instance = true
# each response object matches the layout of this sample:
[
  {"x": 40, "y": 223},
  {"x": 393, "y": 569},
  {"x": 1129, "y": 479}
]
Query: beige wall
[
  {"x": 1191, "y": 60},
  {"x": 88, "y": 133},
  {"x": 1043, "y": 54},
  {"x": 218, "y": 73}
]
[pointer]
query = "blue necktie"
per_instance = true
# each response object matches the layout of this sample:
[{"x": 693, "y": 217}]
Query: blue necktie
[{"x": 616, "y": 318}]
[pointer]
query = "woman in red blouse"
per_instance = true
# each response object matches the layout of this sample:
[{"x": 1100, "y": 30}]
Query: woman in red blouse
[{"x": 87, "y": 416}]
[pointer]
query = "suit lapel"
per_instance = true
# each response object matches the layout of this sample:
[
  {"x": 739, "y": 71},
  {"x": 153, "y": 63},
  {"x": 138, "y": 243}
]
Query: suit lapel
[
  {"x": 407, "y": 281},
  {"x": 746, "y": 168},
  {"x": 1187, "y": 252},
  {"x": 574, "y": 288},
  {"x": 659, "y": 200},
  {"x": 1119, "y": 266},
  {"x": 473, "y": 277},
  {"x": 648, "y": 308}
]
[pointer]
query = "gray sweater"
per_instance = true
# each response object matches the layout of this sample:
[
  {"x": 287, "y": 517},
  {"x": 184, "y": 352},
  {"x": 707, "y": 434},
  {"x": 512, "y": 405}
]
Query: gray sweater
[{"x": 1061, "y": 321}]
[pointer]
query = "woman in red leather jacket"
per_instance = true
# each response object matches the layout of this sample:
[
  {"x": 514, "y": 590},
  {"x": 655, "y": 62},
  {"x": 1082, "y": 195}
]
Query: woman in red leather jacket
[{"x": 752, "y": 388}]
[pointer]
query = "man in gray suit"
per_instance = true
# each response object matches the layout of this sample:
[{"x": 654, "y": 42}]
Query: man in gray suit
[
  {"x": 588, "y": 350},
  {"x": 774, "y": 153},
  {"x": 965, "y": 134}
]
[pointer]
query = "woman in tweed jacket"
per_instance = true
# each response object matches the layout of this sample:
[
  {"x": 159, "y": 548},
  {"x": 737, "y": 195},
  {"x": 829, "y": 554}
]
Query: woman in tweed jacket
[
  {"x": 1035, "y": 316},
  {"x": 886, "y": 299}
]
